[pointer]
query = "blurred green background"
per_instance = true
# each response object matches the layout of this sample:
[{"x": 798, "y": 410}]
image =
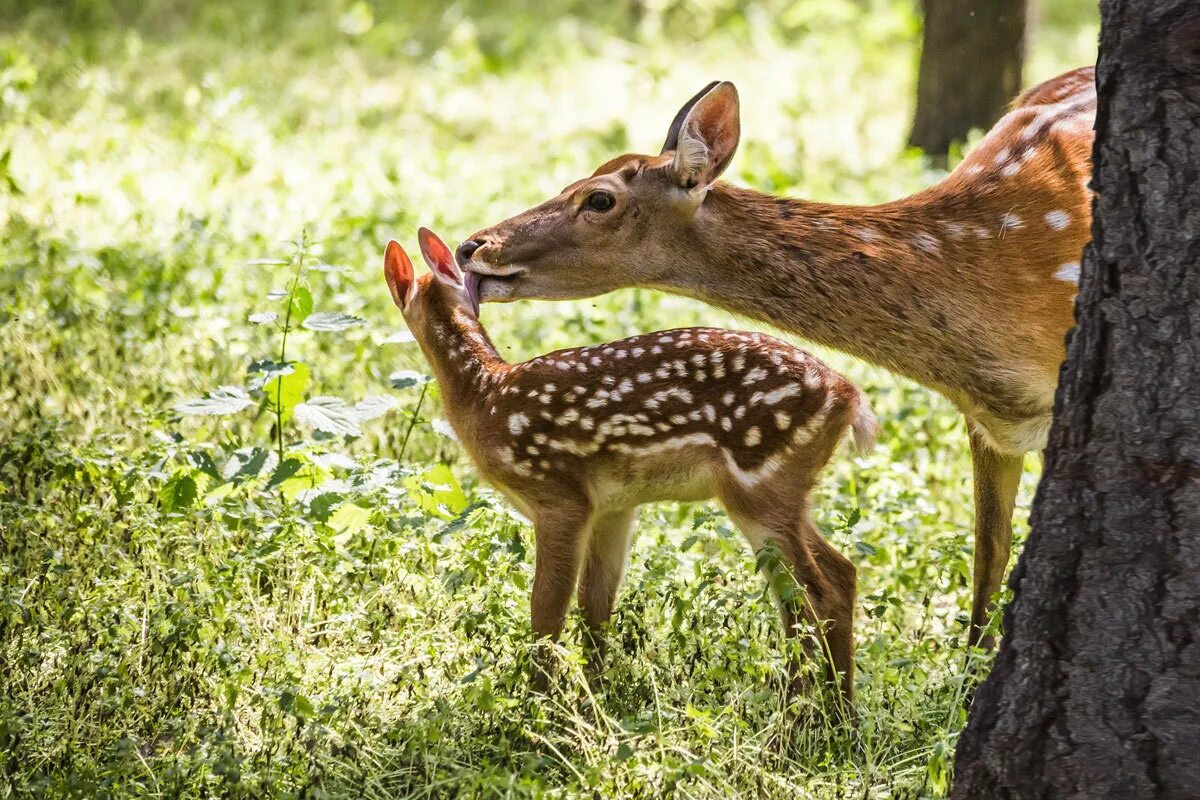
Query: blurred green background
[{"x": 178, "y": 617}]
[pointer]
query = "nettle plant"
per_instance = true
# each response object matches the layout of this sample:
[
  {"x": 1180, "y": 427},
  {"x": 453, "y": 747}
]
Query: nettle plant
[{"x": 303, "y": 457}]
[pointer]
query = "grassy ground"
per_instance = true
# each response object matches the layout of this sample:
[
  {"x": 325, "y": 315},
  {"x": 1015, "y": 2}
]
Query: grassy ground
[{"x": 245, "y": 605}]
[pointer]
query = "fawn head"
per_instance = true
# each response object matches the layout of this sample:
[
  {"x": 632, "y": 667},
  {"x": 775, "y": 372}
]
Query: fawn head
[
  {"x": 629, "y": 224},
  {"x": 423, "y": 297}
]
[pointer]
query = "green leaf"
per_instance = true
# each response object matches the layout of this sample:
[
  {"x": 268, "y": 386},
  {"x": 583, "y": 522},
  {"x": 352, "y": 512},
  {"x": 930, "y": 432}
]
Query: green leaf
[
  {"x": 321, "y": 506},
  {"x": 223, "y": 400},
  {"x": 286, "y": 469},
  {"x": 331, "y": 321},
  {"x": 437, "y": 492},
  {"x": 349, "y": 518},
  {"x": 460, "y": 521},
  {"x": 865, "y": 548},
  {"x": 405, "y": 378},
  {"x": 178, "y": 493},
  {"x": 302, "y": 304},
  {"x": 263, "y": 317},
  {"x": 328, "y": 414},
  {"x": 247, "y": 463},
  {"x": 203, "y": 462},
  {"x": 286, "y": 390},
  {"x": 373, "y": 406}
]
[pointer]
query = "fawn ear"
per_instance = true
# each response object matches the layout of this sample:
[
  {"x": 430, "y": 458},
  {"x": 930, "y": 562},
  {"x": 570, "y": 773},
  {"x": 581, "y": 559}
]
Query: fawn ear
[
  {"x": 707, "y": 137},
  {"x": 438, "y": 257},
  {"x": 398, "y": 271}
]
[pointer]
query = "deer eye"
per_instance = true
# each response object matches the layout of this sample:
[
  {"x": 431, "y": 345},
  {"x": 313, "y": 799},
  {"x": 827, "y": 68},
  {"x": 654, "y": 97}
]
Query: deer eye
[{"x": 600, "y": 201}]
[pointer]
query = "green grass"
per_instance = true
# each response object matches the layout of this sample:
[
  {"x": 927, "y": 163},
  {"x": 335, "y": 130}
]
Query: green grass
[{"x": 184, "y": 614}]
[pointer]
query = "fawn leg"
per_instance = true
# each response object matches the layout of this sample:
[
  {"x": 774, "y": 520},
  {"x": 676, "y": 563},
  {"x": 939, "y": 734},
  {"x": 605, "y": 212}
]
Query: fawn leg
[
  {"x": 827, "y": 576},
  {"x": 997, "y": 476},
  {"x": 603, "y": 569},
  {"x": 560, "y": 532}
]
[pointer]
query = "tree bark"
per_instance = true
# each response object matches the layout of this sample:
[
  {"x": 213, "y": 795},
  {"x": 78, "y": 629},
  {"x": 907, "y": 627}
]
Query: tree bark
[
  {"x": 1095, "y": 692},
  {"x": 971, "y": 60}
]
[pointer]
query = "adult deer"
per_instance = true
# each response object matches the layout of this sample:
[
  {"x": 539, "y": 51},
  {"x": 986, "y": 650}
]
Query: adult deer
[{"x": 966, "y": 287}]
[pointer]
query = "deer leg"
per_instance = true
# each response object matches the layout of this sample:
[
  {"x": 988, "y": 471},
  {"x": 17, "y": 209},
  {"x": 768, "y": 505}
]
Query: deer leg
[
  {"x": 997, "y": 476},
  {"x": 560, "y": 534},
  {"x": 828, "y": 579},
  {"x": 603, "y": 570}
]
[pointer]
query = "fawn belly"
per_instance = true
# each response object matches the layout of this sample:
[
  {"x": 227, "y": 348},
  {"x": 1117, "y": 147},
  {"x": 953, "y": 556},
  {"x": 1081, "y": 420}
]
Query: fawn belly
[{"x": 683, "y": 475}]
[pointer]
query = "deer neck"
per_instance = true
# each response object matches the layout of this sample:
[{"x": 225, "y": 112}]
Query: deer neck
[
  {"x": 866, "y": 280},
  {"x": 464, "y": 360}
]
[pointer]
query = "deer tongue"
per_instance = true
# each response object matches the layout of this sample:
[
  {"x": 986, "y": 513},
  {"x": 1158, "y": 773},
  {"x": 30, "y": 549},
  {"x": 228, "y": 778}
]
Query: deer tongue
[{"x": 471, "y": 284}]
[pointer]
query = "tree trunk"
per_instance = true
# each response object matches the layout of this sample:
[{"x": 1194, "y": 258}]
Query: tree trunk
[
  {"x": 970, "y": 68},
  {"x": 1095, "y": 692}
]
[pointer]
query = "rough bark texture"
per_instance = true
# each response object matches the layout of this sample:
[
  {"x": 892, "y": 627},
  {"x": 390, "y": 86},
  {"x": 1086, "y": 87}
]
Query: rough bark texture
[
  {"x": 1095, "y": 692},
  {"x": 970, "y": 68}
]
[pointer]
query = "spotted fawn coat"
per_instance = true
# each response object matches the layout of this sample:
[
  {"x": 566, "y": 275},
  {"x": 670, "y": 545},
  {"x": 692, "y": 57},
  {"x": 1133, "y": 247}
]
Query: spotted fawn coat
[{"x": 578, "y": 438}]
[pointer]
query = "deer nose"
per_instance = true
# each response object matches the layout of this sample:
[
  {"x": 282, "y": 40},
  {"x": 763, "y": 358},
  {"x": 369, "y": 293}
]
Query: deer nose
[{"x": 466, "y": 250}]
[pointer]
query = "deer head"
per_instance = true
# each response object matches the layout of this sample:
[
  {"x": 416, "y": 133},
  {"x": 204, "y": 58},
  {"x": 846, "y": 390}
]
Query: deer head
[
  {"x": 444, "y": 285},
  {"x": 626, "y": 225}
]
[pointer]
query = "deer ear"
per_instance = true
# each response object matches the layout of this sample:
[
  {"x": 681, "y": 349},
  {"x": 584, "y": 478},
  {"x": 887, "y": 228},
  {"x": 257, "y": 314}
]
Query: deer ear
[
  {"x": 672, "y": 141},
  {"x": 708, "y": 137},
  {"x": 438, "y": 257},
  {"x": 398, "y": 271}
]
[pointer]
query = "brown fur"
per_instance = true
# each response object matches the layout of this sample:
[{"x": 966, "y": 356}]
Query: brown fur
[
  {"x": 579, "y": 438},
  {"x": 966, "y": 287}
]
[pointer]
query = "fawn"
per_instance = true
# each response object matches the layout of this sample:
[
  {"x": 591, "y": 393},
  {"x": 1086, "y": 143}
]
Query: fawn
[{"x": 578, "y": 439}]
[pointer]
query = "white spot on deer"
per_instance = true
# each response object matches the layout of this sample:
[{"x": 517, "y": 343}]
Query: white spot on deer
[
  {"x": 739, "y": 362},
  {"x": 625, "y": 386},
  {"x": 539, "y": 438},
  {"x": 694, "y": 415},
  {"x": 586, "y": 423},
  {"x": 754, "y": 375},
  {"x": 665, "y": 339},
  {"x": 1010, "y": 222},
  {"x": 517, "y": 423},
  {"x": 656, "y": 350},
  {"x": 699, "y": 359},
  {"x": 1069, "y": 272},
  {"x": 1010, "y": 169},
  {"x": 595, "y": 361},
  {"x": 974, "y": 169},
  {"x": 783, "y": 392},
  {"x": 531, "y": 450},
  {"x": 982, "y": 232},
  {"x": 718, "y": 371},
  {"x": 1001, "y": 156},
  {"x": 1058, "y": 220},
  {"x": 866, "y": 233},
  {"x": 637, "y": 351},
  {"x": 928, "y": 243},
  {"x": 955, "y": 230},
  {"x": 608, "y": 351},
  {"x": 622, "y": 353},
  {"x": 568, "y": 416},
  {"x": 663, "y": 371},
  {"x": 727, "y": 423},
  {"x": 710, "y": 413},
  {"x": 699, "y": 377},
  {"x": 727, "y": 399},
  {"x": 596, "y": 402},
  {"x": 756, "y": 398},
  {"x": 753, "y": 436},
  {"x": 678, "y": 419},
  {"x": 783, "y": 420},
  {"x": 739, "y": 412},
  {"x": 544, "y": 399},
  {"x": 662, "y": 426}
]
